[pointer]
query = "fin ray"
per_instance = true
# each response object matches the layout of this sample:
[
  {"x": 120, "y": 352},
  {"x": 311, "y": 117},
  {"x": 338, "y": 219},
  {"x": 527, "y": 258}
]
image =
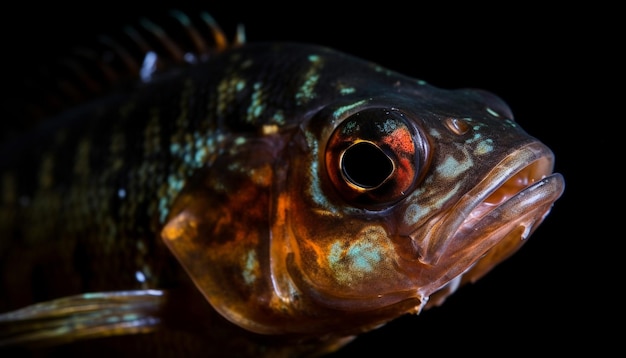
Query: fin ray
[
  {"x": 83, "y": 316},
  {"x": 115, "y": 61}
]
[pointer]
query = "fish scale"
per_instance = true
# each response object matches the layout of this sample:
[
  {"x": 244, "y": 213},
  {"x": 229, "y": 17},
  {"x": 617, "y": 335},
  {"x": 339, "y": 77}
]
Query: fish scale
[{"x": 273, "y": 199}]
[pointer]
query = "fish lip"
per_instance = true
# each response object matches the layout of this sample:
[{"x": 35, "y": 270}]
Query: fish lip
[{"x": 518, "y": 193}]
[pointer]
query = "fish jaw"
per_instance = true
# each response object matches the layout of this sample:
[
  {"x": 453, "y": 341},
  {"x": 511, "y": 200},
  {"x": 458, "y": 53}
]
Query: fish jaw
[{"x": 491, "y": 221}]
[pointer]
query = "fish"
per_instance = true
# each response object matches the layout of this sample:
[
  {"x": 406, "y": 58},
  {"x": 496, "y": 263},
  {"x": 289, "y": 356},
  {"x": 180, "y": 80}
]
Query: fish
[{"x": 268, "y": 199}]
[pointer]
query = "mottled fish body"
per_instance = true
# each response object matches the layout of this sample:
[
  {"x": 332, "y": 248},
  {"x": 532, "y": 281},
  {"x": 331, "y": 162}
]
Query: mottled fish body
[{"x": 275, "y": 198}]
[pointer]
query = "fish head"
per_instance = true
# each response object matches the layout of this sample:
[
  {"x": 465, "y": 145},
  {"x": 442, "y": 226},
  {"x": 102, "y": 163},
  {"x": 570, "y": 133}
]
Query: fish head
[
  {"x": 362, "y": 212},
  {"x": 404, "y": 203}
]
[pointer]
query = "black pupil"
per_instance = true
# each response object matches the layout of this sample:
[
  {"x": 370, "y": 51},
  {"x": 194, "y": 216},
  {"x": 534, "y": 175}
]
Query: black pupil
[{"x": 365, "y": 165}]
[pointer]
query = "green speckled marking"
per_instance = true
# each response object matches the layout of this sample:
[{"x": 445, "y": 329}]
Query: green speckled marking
[
  {"x": 363, "y": 255},
  {"x": 314, "y": 188},
  {"x": 383, "y": 70},
  {"x": 201, "y": 154},
  {"x": 511, "y": 123},
  {"x": 341, "y": 110},
  {"x": 175, "y": 183},
  {"x": 181, "y": 147},
  {"x": 307, "y": 90},
  {"x": 416, "y": 212},
  {"x": 347, "y": 90},
  {"x": 251, "y": 265},
  {"x": 334, "y": 255},
  {"x": 226, "y": 92},
  {"x": 256, "y": 103},
  {"x": 475, "y": 137},
  {"x": 350, "y": 127},
  {"x": 193, "y": 151},
  {"x": 484, "y": 147},
  {"x": 240, "y": 85},
  {"x": 127, "y": 317},
  {"x": 413, "y": 214},
  {"x": 451, "y": 168},
  {"x": 388, "y": 127},
  {"x": 492, "y": 112},
  {"x": 279, "y": 117},
  {"x": 164, "y": 209}
]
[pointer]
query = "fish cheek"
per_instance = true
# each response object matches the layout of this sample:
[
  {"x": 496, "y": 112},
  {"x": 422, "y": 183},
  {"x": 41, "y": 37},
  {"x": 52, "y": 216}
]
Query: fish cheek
[
  {"x": 358, "y": 265},
  {"x": 341, "y": 257},
  {"x": 218, "y": 230}
]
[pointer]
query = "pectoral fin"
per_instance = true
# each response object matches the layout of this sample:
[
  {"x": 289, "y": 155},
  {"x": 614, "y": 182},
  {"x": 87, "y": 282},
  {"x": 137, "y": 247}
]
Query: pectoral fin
[{"x": 84, "y": 316}]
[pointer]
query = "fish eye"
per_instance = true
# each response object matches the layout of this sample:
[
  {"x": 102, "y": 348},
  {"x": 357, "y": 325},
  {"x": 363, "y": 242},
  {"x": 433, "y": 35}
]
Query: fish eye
[
  {"x": 365, "y": 165},
  {"x": 372, "y": 157}
]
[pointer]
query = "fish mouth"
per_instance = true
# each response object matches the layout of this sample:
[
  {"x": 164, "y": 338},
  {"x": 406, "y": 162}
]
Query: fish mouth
[{"x": 491, "y": 221}]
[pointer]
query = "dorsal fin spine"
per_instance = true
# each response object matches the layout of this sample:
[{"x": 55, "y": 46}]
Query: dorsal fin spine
[
  {"x": 129, "y": 61},
  {"x": 87, "y": 72},
  {"x": 166, "y": 41},
  {"x": 199, "y": 43},
  {"x": 218, "y": 35}
]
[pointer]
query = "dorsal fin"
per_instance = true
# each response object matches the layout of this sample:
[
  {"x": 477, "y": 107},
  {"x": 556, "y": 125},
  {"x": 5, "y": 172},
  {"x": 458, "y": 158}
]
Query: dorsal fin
[{"x": 114, "y": 60}]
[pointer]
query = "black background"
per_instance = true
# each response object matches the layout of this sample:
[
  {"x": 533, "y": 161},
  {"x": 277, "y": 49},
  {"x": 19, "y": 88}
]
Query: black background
[{"x": 543, "y": 299}]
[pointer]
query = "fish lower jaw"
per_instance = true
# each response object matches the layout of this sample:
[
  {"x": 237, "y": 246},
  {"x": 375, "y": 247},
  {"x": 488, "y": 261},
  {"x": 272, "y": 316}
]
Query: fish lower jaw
[
  {"x": 493, "y": 220},
  {"x": 506, "y": 227}
]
